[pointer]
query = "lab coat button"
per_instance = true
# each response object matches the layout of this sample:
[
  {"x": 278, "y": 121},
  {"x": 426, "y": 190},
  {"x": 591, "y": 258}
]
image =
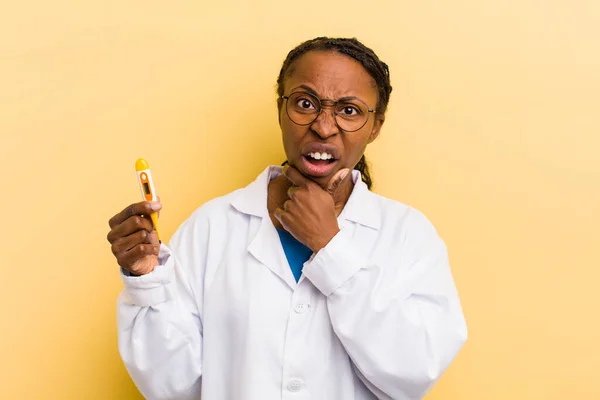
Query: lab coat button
[
  {"x": 301, "y": 308},
  {"x": 294, "y": 386}
]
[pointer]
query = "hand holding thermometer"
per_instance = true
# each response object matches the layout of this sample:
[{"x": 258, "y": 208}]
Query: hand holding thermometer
[{"x": 147, "y": 187}]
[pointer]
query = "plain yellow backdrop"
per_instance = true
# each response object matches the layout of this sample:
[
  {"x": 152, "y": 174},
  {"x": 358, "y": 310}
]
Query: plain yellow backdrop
[{"x": 493, "y": 131}]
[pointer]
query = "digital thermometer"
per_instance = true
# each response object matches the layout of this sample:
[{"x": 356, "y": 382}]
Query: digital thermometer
[{"x": 147, "y": 187}]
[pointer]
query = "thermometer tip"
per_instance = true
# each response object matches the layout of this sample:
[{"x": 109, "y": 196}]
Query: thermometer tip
[{"x": 141, "y": 165}]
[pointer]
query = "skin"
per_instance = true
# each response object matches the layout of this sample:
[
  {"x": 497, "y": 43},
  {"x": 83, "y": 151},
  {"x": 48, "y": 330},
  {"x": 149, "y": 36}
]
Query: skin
[
  {"x": 304, "y": 205},
  {"x": 133, "y": 239},
  {"x": 308, "y": 211},
  {"x": 308, "y": 206}
]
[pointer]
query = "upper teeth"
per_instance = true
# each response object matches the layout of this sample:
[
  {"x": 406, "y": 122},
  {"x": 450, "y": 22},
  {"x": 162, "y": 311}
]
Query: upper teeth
[{"x": 321, "y": 156}]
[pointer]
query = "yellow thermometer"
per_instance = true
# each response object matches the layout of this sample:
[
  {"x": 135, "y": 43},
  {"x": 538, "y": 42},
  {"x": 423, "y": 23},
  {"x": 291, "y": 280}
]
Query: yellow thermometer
[{"x": 147, "y": 187}]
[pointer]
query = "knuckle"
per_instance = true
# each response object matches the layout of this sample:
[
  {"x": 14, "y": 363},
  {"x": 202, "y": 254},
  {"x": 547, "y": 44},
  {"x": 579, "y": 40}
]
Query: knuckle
[{"x": 129, "y": 211}]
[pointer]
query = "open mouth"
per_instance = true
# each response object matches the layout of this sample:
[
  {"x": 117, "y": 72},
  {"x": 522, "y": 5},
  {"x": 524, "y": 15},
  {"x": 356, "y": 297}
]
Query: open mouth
[
  {"x": 318, "y": 164},
  {"x": 320, "y": 158}
]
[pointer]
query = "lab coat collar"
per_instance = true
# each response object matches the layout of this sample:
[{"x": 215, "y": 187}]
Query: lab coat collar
[{"x": 362, "y": 206}]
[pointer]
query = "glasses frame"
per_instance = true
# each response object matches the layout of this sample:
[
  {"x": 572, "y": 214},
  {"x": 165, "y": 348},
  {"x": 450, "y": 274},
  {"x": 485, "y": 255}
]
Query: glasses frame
[{"x": 334, "y": 104}]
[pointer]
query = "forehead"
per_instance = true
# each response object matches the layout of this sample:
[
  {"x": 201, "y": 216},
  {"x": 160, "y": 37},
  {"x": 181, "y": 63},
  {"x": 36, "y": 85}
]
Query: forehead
[{"x": 332, "y": 75}]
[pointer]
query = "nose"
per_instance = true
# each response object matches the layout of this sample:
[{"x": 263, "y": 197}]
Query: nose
[{"x": 325, "y": 125}]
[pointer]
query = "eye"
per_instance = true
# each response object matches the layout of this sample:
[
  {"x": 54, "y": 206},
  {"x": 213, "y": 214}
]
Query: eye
[
  {"x": 305, "y": 104},
  {"x": 349, "y": 111}
]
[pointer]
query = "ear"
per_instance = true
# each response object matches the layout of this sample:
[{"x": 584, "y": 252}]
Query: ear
[{"x": 379, "y": 120}]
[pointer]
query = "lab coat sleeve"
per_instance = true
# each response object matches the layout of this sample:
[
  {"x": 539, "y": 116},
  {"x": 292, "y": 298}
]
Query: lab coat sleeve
[
  {"x": 400, "y": 320},
  {"x": 160, "y": 321}
]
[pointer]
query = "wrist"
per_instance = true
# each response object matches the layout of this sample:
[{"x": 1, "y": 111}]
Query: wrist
[{"x": 323, "y": 240}]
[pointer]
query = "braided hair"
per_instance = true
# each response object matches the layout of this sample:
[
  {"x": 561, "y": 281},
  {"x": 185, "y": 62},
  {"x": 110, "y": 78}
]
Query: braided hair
[{"x": 351, "y": 47}]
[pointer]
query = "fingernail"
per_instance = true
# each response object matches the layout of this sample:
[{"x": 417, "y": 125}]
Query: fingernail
[
  {"x": 276, "y": 214},
  {"x": 345, "y": 174},
  {"x": 155, "y": 206}
]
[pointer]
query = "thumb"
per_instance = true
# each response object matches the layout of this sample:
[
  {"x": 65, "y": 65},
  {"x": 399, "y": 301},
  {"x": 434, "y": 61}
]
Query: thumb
[{"x": 336, "y": 180}]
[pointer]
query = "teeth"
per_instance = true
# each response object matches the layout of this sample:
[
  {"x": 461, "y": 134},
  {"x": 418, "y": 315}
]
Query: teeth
[{"x": 321, "y": 156}]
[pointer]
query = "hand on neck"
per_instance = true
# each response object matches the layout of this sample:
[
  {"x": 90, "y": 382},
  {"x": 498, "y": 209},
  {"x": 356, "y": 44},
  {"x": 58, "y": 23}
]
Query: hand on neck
[{"x": 278, "y": 194}]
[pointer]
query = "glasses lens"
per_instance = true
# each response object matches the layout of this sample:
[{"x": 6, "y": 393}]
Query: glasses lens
[
  {"x": 303, "y": 108},
  {"x": 351, "y": 115}
]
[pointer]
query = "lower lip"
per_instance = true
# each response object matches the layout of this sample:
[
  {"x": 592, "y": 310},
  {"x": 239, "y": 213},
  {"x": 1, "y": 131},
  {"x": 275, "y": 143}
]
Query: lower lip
[{"x": 311, "y": 167}]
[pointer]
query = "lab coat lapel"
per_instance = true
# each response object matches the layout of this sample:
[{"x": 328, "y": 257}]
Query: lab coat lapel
[
  {"x": 264, "y": 242},
  {"x": 363, "y": 206},
  {"x": 266, "y": 248}
]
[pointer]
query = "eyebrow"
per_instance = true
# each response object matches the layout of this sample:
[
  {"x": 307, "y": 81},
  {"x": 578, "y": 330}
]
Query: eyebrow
[
  {"x": 314, "y": 93},
  {"x": 307, "y": 88}
]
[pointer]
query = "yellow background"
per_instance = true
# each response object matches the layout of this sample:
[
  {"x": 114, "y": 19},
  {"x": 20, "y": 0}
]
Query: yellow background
[{"x": 493, "y": 131}]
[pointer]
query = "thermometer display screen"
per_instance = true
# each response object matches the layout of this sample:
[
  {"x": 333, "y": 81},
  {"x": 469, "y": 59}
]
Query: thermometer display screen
[{"x": 146, "y": 188}]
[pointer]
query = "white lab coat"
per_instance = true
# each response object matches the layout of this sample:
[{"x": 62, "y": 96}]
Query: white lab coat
[{"x": 375, "y": 314}]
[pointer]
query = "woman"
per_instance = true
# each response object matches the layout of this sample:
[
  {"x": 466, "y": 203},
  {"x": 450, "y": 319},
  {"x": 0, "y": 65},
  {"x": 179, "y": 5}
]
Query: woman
[{"x": 304, "y": 284}]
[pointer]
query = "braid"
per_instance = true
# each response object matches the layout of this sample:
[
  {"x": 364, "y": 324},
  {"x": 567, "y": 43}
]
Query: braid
[
  {"x": 351, "y": 47},
  {"x": 365, "y": 173}
]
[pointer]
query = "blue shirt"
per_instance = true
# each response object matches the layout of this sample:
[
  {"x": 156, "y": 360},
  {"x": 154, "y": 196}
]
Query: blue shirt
[{"x": 295, "y": 252}]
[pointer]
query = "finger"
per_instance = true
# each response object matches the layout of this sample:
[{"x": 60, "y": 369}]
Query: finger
[
  {"x": 158, "y": 199},
  {"x": 294, "y": 176},
  {"x": 278, "y": 213},
  {"x": 129, "y": 226},
  {"x": 129, "y": 258},
  {"x": 127, "y": 243},
  {"x": 336, "y": 180},
  {"x": 141, "y": 208},
  {"x": 292, "y": 191},
  {"x": 154, "y": 238},
  {"x": 286, "y": 205}
]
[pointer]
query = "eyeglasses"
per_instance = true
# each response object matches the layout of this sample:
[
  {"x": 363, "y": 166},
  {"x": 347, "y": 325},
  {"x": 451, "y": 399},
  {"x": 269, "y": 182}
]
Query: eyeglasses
[{"x": 350, "y": 113}]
